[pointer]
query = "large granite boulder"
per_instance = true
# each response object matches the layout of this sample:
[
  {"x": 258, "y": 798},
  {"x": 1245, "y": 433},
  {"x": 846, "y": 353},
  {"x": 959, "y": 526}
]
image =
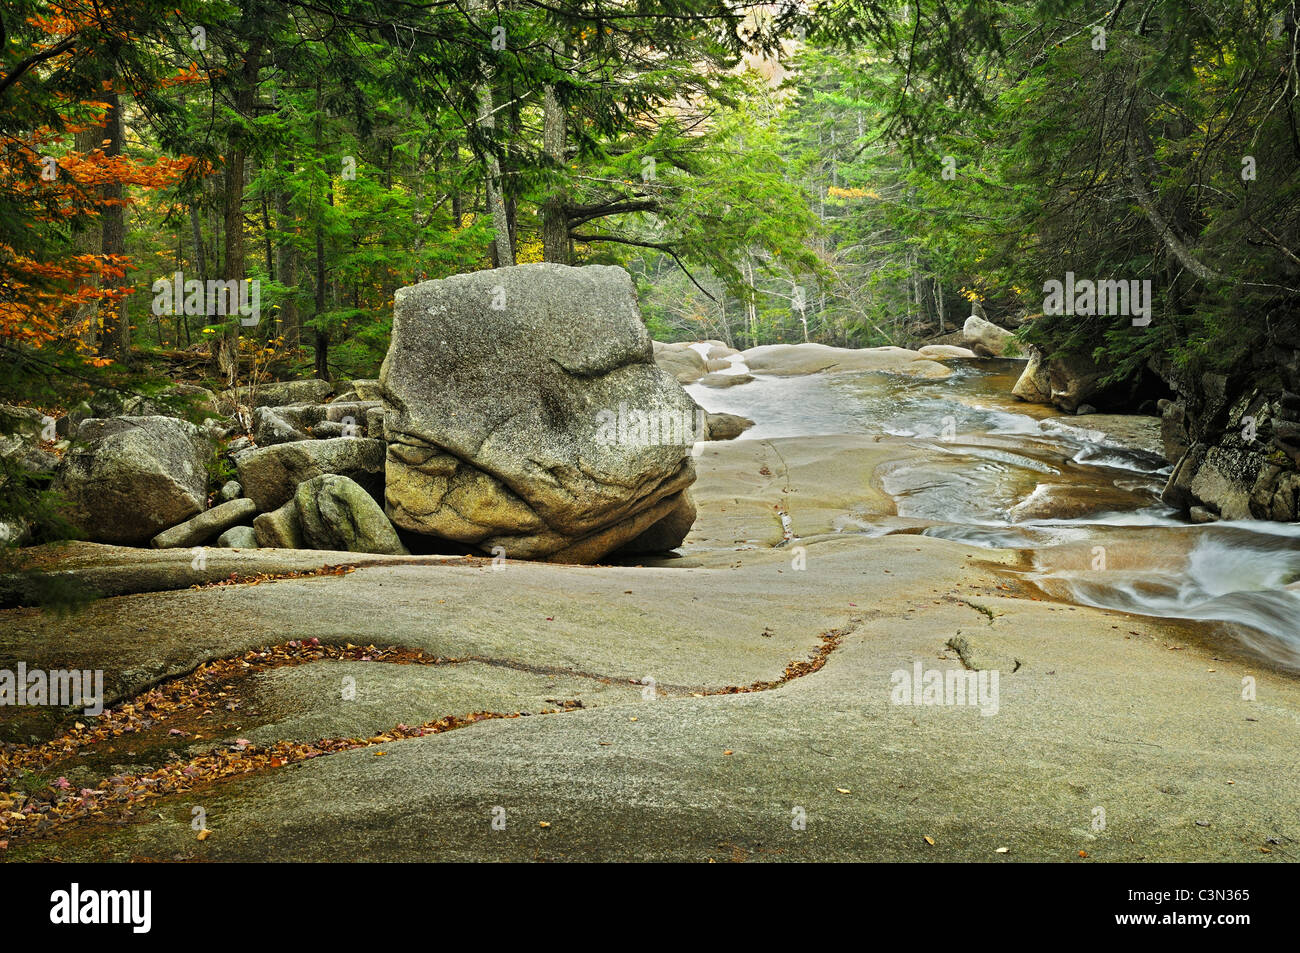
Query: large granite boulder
[
  {"x": 132, "y": 477},
  {"x": 1034, "y": 385},
  {"x": 270, "y": 475},
  {"x": 680, "y": 360},
  {"x": 525, "y": 411},
  {"x": 336, "y": 513},
  {"x": 987, "y": 339},
  {"x": 788, "y": 360},
  {"x": 1074, "y": 379}
]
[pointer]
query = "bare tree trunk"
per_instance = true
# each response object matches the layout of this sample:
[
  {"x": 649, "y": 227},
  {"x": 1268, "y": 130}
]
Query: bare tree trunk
[
  {"x": 116, "y": 339},
  {"x": 502, "y": 249},
  {"x": 1174, "y": 242},
  {"x": 85, "y": 321},
  {"x": 287, "y": 266},
  {"x": 555, "y": 224},
  {"x": 751, "y": 306},
  {"x": 321, "y": 338},
  {"x": 236, "y": 155}
]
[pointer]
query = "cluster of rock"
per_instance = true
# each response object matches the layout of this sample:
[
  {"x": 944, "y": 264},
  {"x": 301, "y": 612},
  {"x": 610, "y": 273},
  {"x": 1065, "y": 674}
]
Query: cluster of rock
[
  {"x": 1236, "y": 437},
  {"x": 512, "y": 415},
  {"x": 142, "y": 479}
]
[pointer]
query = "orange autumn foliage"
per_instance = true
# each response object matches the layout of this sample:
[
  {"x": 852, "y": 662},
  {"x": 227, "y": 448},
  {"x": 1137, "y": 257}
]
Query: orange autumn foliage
[{"x": 61, "y": 190}]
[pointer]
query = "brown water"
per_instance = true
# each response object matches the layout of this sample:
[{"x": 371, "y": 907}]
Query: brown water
[{"x": 1085, "y": 512}]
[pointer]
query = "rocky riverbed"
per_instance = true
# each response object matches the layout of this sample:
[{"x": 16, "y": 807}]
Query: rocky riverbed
[{"x": 744, "y": 700}]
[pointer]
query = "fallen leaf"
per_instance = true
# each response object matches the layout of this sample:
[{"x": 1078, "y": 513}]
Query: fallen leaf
[
  {"x": 844, "y": 790},
  {"x": 204, "y": 834},
  {"x": 543, "y": 823},
  {"x": 1003, "y": 850},
  {"x": 929, "y": 840}
]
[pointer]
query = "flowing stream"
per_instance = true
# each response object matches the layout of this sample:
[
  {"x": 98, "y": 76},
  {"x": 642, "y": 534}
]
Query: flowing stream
[{"x": 1084, "y": 507}]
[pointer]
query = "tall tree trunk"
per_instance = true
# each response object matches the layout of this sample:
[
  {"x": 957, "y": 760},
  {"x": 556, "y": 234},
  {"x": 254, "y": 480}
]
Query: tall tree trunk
[
  {"x": 555, "y": 223},
  {"x": 287, "y": 264},
  {"x": 236, "y": 155},
  {"x": 85, "y": 321},
  {"x": 502, "y": 250},
  {"x": 320, "y": 338},
  {"x": 115, "y": 341}
]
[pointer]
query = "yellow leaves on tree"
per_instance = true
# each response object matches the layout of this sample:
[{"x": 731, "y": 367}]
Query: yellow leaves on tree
[{"x": 835, "y": 192}]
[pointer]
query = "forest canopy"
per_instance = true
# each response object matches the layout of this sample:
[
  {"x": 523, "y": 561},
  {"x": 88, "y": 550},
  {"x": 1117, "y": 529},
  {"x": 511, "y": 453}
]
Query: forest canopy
[{"x": 854, "y": 173}]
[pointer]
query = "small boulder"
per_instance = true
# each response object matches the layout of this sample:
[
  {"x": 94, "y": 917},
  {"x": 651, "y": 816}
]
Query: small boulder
[
  {"x": 336, "y": 513},
  {"x": 279, "y": 529},
  {"x": 727, "y": 426},
  {"x": 207, "y": 524},
  {"x": 26, "y": 422},
  {"x": 940, "y": 352},
  {"x": 238, "y": 537},
  {"x": 269, "y": 428},
  {"x": 23, "y": 453},
  {"x": 986, "y": 339},
  {"x": 725, "y": 380},
  {"x": 1074, "y": 379},
  {"x": 683, "y": 362},
  {"x": 362, "y": 390}
]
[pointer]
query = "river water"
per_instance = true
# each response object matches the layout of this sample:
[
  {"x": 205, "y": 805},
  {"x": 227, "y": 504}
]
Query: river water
[{"x": 993, "y": 471}]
